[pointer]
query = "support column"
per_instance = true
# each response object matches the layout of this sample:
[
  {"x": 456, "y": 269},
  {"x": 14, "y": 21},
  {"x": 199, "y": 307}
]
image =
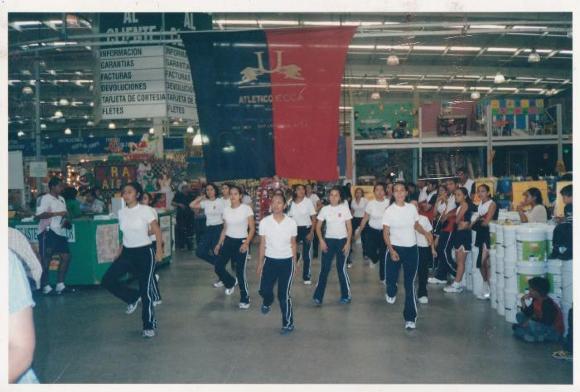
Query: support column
[{"x": 37, "y": 136}]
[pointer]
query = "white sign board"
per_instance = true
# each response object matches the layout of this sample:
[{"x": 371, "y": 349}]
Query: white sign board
[
  {"x": 15, "y": 170},
  {"x": 145, "y": 82},
  {"x": 38, "y": 169}
]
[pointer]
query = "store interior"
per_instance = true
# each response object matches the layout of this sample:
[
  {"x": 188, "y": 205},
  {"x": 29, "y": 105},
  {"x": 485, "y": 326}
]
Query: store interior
[{"x": 423, "y": 95}]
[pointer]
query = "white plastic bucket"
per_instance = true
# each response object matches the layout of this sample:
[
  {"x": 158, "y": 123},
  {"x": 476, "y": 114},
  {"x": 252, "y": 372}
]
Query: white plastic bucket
[
  {"x": 531, "y": 242},
  {"x": 493, "y": 294},
  {"x": 527, "y": 270},
  {"x": 566, "y": 306},
  {"x": 567, "y": 285},
  {"x": 554, "y": 275},
  {"x": 500, "y": 302},
  {"x": 511, "y": 306},
  {"x": 499, "y": 251},
  {"x": 498, "y": 235},
  {"x": 509, "y": 234},
  {"x": 510, "y": 253}
]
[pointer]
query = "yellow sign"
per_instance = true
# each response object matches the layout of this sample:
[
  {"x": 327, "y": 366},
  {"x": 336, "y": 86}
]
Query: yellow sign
[
  {"x": 518, "y": 189},
  {"x": 367, "y": 189},
  {"x": 559, "y": 208},
  {"x": 490, "y": 182}
]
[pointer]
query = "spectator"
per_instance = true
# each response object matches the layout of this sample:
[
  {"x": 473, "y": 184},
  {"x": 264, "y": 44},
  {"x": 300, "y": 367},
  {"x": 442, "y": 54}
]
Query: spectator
[
  {"x": 541, "y": 320},
  {"x": 537, "y": 213},
  {"x": 21, "y": 340},
  {"x": 92, "y": 205},
  {"x": 465, "y": 181},
  {"x": 184, "y": 217},
  {"x": 562, "y": 240}
]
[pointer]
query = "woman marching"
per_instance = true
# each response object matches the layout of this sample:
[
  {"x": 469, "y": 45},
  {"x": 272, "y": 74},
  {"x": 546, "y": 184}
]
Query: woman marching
[
  {"x": 213, "y": 208},
  {"x": 233, "y": 244},
  {"x": 303, "y": 212},
  {"x": 277, "y": 260},
  {"x": 486, "y": 211},
  {"x": 147, "y": 200},
  {"x": 358, "y": 206},
  {"x": 400, "y": 221},
  {"x": 374, "y": 217},
  {"x": 334, "y": 243},
  {"x": 461, "y": 238},
  {"x": 136, "y": 256}
]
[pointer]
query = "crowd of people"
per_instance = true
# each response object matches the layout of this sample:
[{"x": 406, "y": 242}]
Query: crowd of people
[{"x": 423, "y": 228}]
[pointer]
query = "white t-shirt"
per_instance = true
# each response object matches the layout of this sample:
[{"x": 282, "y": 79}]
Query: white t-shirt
[
  {"x": 359, "y": 208},
  {"x": 483, "y": 208},
  {"x": 468, "y": 185},
  {"x": 237, "y": 221},
  {"x": 278, "y": 236},
  {"x": 335, "y": 217},
  {"x": 314, "y": 199},
  {"x": 538, "y": 214},
  {"x": 423, "y": 196},
  {"x": 401, "y": 221},
  {"x": 134, "y": 223},
  {"x": 426, "y": 225},
  {"x": 152, "y": 236},
  {"x": 451, "y": 205},
  {"x": 441, "y": 207},
  {"x": 376, "y": 209},
  {"x": 213, "y": 210},
  {"x": 302, "y": 212},
  {"x": 227, "y": 201},
  {"x": 49, "y": 203}
]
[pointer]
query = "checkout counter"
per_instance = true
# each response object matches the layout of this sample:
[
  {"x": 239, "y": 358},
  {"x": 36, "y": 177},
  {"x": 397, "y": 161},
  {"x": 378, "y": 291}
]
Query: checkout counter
[{"x": 93, "y": 243}]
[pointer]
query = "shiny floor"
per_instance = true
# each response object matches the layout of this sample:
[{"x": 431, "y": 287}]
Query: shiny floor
[{"x": 85, "y": 337}]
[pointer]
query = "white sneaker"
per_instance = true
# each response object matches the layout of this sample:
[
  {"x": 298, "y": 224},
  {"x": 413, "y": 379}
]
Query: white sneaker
[
  {"x": 132, "y": 307},
  {"x": 155, "y": 303},
  {"x": 371, "y": 265},
  {"x": 410, "y": 325},
  {"x": 59, "y": 288},
  {"x": 244, "y": 305},
  {"x": 148, "y": 333},
  {"x": 218, "y": 284},
  {"x": 230, "y": 291},
  {"x": 453, "y": 288},
  {"x": 46, "y": 289},
  {"x": 390, "y": 300},
  {"x": 307, "y": 282},
  {"x": 349, "y": 265},
  {"x": 423, "y": 300},
  {"x": 157, "y": 277},
  {"x": 384, "y": 283},
  {"x": 434, "y": 280}
]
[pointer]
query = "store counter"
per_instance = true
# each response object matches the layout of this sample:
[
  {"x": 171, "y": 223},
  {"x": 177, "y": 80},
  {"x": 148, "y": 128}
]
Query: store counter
[{"x": 93, "y": 245}]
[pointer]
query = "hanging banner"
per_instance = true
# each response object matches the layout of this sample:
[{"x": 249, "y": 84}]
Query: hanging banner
[{"x": 268, "y": 100}]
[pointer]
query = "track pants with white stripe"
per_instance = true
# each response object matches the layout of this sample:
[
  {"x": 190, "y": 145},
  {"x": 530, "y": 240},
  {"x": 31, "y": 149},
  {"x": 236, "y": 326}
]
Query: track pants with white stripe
[
  {"x": 306, "y": 250},
  {"x": 409, "y": 259},
  {"x": 445, "y": 263},
  {"x": 281, "y": 271},
  {"x": 335, "y": 247},
  {"x": 154, "y": 282},
  {"x": 207, "y": 243},
  {"x": 141, "y": 263},
  {"x": 231, "y": 251},
  {"x": 376, "y": 249}
]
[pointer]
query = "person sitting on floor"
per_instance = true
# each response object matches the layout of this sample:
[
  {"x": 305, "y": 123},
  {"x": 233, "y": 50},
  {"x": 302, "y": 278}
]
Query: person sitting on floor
[{"x": 541, "y": 319}]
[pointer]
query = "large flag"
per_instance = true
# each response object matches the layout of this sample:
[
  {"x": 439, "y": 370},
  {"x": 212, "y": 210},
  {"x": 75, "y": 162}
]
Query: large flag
[{"x": 268, "y": 100}]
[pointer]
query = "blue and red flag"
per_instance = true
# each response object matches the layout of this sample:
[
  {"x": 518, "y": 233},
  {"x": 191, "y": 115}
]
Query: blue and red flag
[{"x": 268, "y": 100}]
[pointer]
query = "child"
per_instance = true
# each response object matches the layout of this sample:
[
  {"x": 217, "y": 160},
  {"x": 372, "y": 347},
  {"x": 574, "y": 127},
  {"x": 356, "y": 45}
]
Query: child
[
  {"x": 541, "y": 320},
  {"x": 426, "y": 254}
]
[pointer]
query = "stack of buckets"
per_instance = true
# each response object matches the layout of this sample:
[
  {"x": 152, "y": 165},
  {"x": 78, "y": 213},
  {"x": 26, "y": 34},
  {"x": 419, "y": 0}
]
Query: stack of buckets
[
  {"x": 493, "y": 264},
  {"x": 532, "y": 254},
  {"x": 510, "y": 259},
  {"x": 499, "y": 268}
]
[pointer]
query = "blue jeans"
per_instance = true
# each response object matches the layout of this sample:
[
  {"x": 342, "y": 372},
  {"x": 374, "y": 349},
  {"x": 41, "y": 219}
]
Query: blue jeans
[
  {"x": 534, "y": 331},
  {"x": 334, "y": 249}
]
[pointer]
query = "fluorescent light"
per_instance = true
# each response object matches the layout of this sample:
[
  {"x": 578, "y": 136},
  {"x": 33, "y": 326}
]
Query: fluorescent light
[
  {"x": 278, "y": 22},
  {"x": 251, "y": 22},
  {"x": 566, "y": 52},
  {"x": 394, "y": 47},
  {"x": 401, "y": 86},
  {"x": 487, "y": 26},
  {"x": 519, "y": 27},
  {"x": 506, "y": 89},
  {"x": 453, "y": 88},
  {"x": 475, "y": 95},
  {"x": 345, "y": 107},
  {"x": 427, "y": 87},
  {"x": 382, "y": 82},
  {"x": 371, "y": 47},
  {"x": 428, "y": 48},
  {"x": 545, "y": 51},
  {"x": 468, "y": 76},
  {"x": 502, "y": 50},
  {"x": 322, "y": 23},
  {"x": 465, "y": 48},
  {"x": 62, "y": 43},
  {"x": 534, "y": 89},
  {"x": 481, "y": 88}
]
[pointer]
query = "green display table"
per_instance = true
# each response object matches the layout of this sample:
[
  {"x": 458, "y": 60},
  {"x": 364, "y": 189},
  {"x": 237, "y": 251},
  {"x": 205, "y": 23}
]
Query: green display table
[{"x": 93, "y": 245}]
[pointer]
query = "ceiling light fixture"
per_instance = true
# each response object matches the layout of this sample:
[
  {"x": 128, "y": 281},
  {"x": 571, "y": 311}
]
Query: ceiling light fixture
[
  {"x": 68, "y": 131},
  {"x": 58, "y": 114},
  {"x": 190, "y": 129},
  {"x": 42, "y": 126},
  {"x": 151, "y": 130},
  {"x": 63, "y": 102},
  {"x": 375, "y": 96},
  {"x": 475, "y": 95},
  {"x": 393, "y": 60},
  {"x": 130, "y": 132},
  {"x": 382, "y": 82},
  {"x": 534, "y": 57},
  {"x": 91, "y": 135},
  {"x": 90, "y": 124},
  {"x": 27, "y": 90},
  {"x": 499, "y": 78},
  {"x": 112, "y": 125},
  {"x": 20, "y": 133}
]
